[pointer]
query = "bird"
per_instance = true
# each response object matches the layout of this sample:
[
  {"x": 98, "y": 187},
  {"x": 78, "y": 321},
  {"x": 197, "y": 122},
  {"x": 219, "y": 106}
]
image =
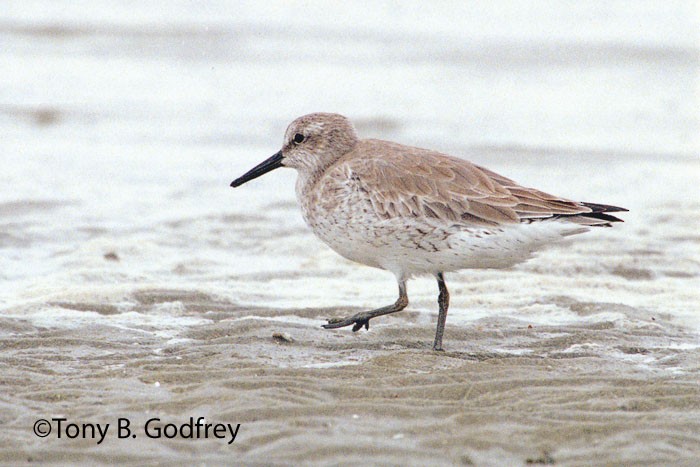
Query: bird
[{"x": 416, "y": 212}]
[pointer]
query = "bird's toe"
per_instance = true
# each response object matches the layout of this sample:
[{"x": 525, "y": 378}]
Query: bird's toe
[{"x": 360, "y": 323}]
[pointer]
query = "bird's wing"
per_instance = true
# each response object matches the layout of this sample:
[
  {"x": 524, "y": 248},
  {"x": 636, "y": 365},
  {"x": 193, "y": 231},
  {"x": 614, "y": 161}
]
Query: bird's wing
[
  {"x": 536, "y": 204},
  {"x": 402, "y": 181}
]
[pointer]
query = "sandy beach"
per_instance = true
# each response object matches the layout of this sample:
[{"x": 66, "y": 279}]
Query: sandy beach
[
  {"x": 585, "y": 394},
  {"x": 137, "y": 288}
]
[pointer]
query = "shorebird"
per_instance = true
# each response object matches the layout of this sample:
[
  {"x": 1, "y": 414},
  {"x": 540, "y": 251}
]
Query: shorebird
[{"x": 414, "y": 211}]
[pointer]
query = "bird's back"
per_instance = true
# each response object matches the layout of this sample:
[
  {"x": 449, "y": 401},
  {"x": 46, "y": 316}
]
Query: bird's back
[{"x": 404, "y": 181}]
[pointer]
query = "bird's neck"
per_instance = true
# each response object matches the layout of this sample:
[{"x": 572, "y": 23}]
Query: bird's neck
[{"x": 306, "y": 181}]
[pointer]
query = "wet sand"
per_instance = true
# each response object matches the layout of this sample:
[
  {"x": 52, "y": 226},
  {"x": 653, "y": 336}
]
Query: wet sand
[{"x": 554, "y": 397}]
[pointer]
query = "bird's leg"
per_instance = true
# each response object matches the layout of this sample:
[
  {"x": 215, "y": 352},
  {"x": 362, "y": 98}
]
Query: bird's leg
[
  {"x": 443, "y": 303},
  {"x": 362, "y": 319}
]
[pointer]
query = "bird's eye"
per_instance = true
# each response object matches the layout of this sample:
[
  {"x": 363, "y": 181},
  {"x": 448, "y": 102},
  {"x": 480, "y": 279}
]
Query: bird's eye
[{"x": 298, "y": 138}]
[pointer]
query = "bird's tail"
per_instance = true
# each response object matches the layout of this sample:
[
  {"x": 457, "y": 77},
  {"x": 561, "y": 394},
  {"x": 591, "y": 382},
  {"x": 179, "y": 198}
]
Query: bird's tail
[{"x": 598, "y": 217}]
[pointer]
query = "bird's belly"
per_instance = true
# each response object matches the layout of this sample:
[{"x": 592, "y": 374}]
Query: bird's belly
[
  {"x": 409, "y": 247},
  {"x": 354, "y": 238}
]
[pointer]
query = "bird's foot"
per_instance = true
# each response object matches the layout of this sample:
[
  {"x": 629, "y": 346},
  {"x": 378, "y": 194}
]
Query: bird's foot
[
  {"x": 358, "y": 321},
  {"x": 437, "y": 345}
]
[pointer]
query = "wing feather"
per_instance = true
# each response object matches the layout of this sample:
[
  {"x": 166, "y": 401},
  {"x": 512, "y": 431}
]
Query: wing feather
[{"x": 411, "y": 182}]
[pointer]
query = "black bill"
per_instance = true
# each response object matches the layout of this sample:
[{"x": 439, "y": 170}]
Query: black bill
[{"x": 264, "y": 167}]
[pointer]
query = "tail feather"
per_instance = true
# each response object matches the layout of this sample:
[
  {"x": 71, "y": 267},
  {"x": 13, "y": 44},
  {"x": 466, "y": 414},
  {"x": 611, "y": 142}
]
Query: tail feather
[
  {"x": 598, "y": 217},
  {"x": 604, "y": 208}
]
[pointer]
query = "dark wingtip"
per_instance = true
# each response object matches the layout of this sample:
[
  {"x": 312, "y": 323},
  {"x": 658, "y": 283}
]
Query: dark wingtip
[
  {"x": 600, "y": 212},
  {"x": 604, "y": 208},
  {"x": 603, "y": 217}
]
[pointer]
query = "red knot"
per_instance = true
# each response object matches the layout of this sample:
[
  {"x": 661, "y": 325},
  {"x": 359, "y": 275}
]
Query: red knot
[{"x": 414, "y": 211}]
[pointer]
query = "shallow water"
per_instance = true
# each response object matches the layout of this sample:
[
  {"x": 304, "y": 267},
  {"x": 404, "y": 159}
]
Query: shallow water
[{"x": 126, "y": 260}]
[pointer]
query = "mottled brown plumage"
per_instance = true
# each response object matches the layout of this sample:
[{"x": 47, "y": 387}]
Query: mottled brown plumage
[{"x": 407, "y": 181}]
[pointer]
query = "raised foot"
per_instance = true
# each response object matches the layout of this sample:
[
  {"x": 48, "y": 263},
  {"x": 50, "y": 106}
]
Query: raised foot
[{"x": 358, "y": 321}]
